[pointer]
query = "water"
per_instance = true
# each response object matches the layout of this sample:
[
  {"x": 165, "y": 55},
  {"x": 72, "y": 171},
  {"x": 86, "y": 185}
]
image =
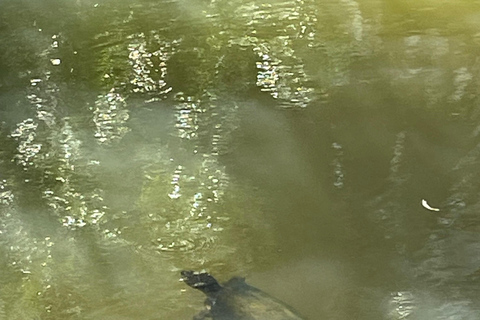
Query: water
[{"x": 288, "y": 142}]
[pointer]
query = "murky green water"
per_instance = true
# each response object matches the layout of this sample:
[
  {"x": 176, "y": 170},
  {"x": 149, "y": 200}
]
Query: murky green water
[{"x": 289, "y": 142}]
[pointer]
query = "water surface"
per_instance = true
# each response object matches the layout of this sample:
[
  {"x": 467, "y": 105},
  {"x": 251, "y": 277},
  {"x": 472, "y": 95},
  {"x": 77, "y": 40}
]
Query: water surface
[{"x": 288, "y": 142}]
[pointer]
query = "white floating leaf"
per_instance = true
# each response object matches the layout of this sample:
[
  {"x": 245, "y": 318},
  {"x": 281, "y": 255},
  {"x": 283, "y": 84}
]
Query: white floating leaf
[{"x": 427, "y": 206}]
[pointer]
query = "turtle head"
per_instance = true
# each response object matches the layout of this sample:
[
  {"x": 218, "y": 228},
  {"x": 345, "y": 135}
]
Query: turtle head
[{"x": 202, "y": 281}]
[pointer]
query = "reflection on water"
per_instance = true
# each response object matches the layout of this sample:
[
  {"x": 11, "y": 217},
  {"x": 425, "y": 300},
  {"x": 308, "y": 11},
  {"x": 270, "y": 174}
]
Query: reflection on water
[{"x": 290, "y": 142}]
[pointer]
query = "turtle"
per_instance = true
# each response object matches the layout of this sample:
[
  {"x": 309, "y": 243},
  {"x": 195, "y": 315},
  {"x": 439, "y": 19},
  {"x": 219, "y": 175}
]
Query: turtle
[{"x": 236, "y": 300}]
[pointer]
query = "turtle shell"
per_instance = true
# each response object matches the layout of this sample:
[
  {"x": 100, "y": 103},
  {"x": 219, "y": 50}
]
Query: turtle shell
[{"x": 236, "y": 300}]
